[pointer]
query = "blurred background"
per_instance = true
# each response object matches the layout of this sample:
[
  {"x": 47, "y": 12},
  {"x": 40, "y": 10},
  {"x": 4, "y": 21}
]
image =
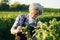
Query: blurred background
[{"x": 10, "y": 9}]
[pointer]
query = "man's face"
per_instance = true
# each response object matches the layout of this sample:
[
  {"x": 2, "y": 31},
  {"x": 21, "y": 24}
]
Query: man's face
[{"x": 34, "y": 13}]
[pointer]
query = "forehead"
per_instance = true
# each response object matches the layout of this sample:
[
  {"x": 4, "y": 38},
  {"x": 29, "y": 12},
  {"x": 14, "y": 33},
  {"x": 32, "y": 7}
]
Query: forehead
[{"x": 34, "y": 9}]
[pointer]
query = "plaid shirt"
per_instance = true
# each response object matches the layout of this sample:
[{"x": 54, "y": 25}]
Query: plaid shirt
[{"x": 24, "y": 20}]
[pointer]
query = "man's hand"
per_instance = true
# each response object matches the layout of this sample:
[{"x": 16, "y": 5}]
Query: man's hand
[
  {"x": 19, "y": 29},
  {"x": 15, "y": 31}
]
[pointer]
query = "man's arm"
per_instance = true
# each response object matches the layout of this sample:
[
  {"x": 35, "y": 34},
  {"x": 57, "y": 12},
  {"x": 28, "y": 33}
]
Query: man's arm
[{"x": 16, "y": 26}]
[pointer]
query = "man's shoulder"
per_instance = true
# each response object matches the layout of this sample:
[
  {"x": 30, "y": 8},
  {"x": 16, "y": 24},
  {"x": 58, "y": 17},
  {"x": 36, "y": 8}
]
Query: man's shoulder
[{"x": 22, "y": 15}]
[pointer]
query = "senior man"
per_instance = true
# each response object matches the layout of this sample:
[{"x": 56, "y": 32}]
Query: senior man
[{"x": 35, "y": 9}]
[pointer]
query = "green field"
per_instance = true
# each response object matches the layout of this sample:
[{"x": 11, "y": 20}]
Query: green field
[
  {"x": 9, "y": 14},
  {"x": 7, "y": 19}
]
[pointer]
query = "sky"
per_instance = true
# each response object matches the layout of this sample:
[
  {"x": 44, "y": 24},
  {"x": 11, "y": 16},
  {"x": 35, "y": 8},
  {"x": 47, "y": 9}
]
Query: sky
[{"x": 44, "y": 3}]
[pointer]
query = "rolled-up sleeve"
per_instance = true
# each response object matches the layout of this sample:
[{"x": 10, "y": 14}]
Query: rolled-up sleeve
[{"x": 18, "y": 21}]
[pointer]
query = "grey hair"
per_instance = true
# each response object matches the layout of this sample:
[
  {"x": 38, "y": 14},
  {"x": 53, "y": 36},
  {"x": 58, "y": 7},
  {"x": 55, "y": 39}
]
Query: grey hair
[{"x": 36, "y": 6}]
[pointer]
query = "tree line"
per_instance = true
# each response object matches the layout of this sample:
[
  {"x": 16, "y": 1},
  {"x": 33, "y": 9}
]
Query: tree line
[{"x": 4, "y": 6}]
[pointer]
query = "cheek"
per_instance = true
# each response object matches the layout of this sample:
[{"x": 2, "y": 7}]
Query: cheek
[
  {"x": 33, "y": 14},
  {"x": 32, "y": 11}
]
